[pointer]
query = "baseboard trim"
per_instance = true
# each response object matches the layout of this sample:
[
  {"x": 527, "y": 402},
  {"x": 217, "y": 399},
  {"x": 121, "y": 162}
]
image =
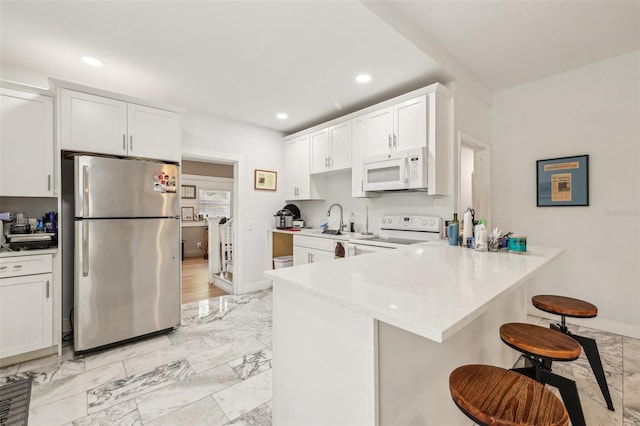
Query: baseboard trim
[
  {"x": 255, "y": 286},
  {"x": 222, "y": 284},
  {"x": 28, "y": 356},
  {"x": 598, "y": 323}
]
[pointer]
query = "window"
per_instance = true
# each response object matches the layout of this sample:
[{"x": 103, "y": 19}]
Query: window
[{"x": 214, "y": 202}]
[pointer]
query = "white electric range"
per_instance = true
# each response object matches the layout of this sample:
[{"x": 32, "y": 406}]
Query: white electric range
[{"x": 398, "y": 231}]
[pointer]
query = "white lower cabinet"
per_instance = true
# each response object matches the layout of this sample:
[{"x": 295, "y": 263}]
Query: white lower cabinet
[
  {"x": 26, "y": 304},
  {"x": 303, "y": 255},
  {"x": 308, "y": 249}
]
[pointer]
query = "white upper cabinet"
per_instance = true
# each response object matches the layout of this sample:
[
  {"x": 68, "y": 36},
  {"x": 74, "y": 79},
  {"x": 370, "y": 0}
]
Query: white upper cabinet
[
  {"x": 398, "y": 127},
  {"x": 320, "y": 151},
  {"x": 331, "y": 148},
  {"x": 340, "y": 137},
  {"x": 300, "y": 185},
  {"x": 379, "y": 131},
  {"x": 26, "y": 144},
  {"x": 358, "y": 141},
  {"x": 153, "y": 133},
  {"x": 92, "y": 123}
]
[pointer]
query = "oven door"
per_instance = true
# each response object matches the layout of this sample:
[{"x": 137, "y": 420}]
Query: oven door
[
  {"x": 386, "y": 174},
  {"x": 358, "y": 249}
]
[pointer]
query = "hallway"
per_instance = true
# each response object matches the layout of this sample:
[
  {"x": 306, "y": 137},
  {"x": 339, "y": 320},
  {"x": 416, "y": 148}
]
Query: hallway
[{"x": 195, "y": 281}]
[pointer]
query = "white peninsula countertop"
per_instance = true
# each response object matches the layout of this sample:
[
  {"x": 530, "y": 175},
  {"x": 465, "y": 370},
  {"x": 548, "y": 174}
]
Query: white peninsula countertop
[
  {"x": 372, "y": 339},
  {"x": 430, "y": 289}
]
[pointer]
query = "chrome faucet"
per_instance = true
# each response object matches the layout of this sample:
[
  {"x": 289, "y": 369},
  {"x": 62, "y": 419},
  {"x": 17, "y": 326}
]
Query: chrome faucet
[{"x": 329, "y": 214}]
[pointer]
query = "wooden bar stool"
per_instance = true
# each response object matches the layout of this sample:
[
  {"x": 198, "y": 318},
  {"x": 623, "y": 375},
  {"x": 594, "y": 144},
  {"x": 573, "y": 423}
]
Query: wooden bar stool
[
  {"x": 576, "y": 308},
  {"x": 494, "y": 396},
  {"x": 541, "y": 346}
]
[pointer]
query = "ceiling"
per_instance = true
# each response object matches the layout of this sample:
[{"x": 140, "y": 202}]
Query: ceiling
[{"x": 249, "y": 60}]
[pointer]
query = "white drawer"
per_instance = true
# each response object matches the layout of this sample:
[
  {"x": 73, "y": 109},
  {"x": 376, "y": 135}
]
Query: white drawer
[
  {"x": 25, "y": 265},
  {"x": 317, "y": 243}
]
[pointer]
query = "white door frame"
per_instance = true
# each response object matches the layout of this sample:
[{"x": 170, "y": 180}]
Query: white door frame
[
  {"x": 206, "y": 156},
  {"x": 477, "y": 146}
]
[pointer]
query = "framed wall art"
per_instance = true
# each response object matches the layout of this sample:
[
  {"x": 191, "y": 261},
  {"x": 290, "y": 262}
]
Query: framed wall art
[
  {"x": 188, "y": 191},
  {"x": 187, "y": 214},
  {"x": 265, "y": 180},
  {"x": 563, "y": 181}
]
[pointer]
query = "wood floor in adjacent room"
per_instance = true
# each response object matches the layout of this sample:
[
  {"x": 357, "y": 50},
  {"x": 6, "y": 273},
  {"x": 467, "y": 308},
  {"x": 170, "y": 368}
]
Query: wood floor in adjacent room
[{"x": 195, "y": 281}]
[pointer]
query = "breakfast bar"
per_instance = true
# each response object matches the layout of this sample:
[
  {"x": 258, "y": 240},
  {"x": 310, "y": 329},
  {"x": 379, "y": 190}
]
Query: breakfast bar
[{"x": 371, "y": 340}]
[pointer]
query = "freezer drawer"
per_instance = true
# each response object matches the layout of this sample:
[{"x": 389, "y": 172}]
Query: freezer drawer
[
  {"x": 127, "y": 279},
  {"x": 108, "y": 187}
]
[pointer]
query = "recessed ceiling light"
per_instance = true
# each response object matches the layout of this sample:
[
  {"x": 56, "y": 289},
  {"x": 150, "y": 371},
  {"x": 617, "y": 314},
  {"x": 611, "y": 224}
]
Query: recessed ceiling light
[
  {"x": 282, "y": 116},
  {"x": 92, "y": 61},
  {"x": 363, "y": 78}
]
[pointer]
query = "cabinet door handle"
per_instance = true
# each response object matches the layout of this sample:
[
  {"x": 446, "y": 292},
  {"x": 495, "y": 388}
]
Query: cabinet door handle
[
  {"x": 124, "y": 142},
  {"x": 48, "y": 288},
  {"x": 389, "y": 141},
  {"x": 48, "y": 182},
  {"x": 395, "y": 141},
  {"x": 2, "y": 268},
  {"x": 17, "y": 267},
  {"x": 130, "y": 142}
]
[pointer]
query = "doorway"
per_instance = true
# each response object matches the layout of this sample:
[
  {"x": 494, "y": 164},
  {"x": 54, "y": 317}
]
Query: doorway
[
  {"x": 474, "y": 177},
  {"x": 208, "y": 198}
]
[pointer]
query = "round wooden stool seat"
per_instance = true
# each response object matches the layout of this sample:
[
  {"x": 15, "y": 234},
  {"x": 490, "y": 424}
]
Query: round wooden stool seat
[
  {"x": 562, "y": 305},
  {"x": 495, "y": 396},
  {"x": 540, "y": 341}
]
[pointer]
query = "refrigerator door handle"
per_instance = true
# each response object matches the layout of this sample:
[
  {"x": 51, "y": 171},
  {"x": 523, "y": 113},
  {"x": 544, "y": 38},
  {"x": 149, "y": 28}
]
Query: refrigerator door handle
[
  {"x": 85, "y": 191},
  {"x": 85, "y": 248}
]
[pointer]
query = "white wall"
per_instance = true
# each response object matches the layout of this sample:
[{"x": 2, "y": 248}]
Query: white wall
[
  {"x": 591, "y": 110},
  {"x": 209, "y": 137},
  {"x": 472, "y": 118}
]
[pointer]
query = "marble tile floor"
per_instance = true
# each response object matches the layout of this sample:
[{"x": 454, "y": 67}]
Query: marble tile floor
[
  {"x": 215, "y": 369},
  {"x": 621, "y": 364}
]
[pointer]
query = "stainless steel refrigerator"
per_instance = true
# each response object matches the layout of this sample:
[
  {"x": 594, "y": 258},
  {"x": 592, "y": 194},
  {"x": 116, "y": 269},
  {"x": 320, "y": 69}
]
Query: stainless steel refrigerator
[{"x": 127, "y": 250}]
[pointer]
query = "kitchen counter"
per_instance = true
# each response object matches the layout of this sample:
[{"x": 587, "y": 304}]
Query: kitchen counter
[
  {"x": 383, "y": 331},
  {"x": 4, "y": 252},
  {"x": 430, "y": 289}
]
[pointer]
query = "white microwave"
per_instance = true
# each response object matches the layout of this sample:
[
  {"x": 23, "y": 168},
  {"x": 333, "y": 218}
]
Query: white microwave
[{"x": 396, "y": 171}]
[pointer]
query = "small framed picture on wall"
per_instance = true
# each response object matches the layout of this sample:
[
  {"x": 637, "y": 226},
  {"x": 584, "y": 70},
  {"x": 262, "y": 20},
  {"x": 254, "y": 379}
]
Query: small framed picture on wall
[
  {"x": 265, "y": 180},
  {"x": 187, "y": 214},
  {"x": 188, "y": 191}
]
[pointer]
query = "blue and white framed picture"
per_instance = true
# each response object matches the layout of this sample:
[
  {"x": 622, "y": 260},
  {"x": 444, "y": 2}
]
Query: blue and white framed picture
[{"x": 563, "y": 181}]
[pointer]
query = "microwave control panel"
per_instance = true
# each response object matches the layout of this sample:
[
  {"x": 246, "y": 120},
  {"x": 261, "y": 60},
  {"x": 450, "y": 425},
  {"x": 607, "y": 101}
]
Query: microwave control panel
[{"x": 415, "y": 168}]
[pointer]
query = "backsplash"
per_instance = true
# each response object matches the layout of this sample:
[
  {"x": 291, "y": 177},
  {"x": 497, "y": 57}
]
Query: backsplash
[{"x": 338, "y": 188}]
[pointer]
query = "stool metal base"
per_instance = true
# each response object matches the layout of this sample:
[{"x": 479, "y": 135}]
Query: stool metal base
[
  {"x": 540, "y": 371},
  {"x": 591, "y": 351}
]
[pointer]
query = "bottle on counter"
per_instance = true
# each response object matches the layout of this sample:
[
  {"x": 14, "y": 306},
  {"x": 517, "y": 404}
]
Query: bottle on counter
[
  {"x": 453, "y": 230},
  {"x": 481, "y": 236},
  {"x": 467, "y": 227},
  {"x": 352, "y": 222}
]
